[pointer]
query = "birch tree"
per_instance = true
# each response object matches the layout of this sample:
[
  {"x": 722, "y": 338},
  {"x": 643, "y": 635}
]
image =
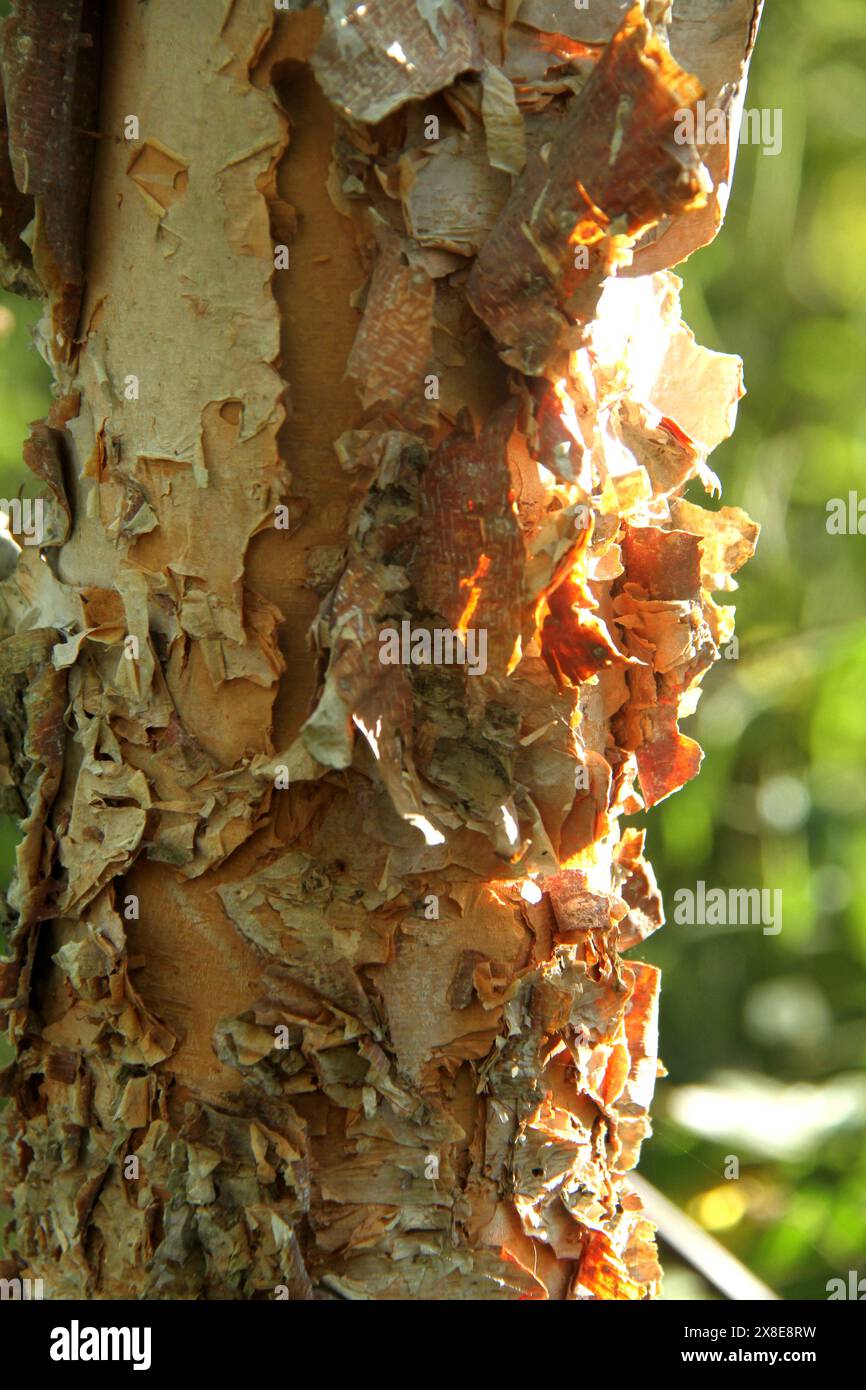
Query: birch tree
[{"x": 363, "y": 611}]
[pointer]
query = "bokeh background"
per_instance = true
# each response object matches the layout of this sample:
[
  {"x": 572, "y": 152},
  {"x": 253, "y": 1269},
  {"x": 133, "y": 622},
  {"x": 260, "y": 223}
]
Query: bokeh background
[{"x": 764, "y": 1037}]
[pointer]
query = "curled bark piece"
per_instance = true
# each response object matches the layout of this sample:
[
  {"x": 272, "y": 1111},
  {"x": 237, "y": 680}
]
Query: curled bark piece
[
  {"x": 16, "y": 213},
  {"x": 503, "y": 123},
  {"x": 469, "y": 558},
  {"x": 455, "y": 195},
  {"x": 372, "y": 59},
  {"x": 593, "y": 23},
  {"x": 714, "y": 42},
  {"x": 44, "y": 454},
  {"x": 391, "y": 352},
  {"x": 50, "y": 62},
  {"x": 612, "y": 172}
]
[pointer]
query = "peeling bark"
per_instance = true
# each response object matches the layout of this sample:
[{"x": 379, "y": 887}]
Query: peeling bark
[{"x": 317, "y": 978}]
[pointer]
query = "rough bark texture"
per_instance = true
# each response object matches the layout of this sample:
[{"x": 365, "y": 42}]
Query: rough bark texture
[{"x": 334, "y": 948}]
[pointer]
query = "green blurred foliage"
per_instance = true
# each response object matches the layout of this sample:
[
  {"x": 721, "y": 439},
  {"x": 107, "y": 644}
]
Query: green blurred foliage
[
  {"x": 24, "y": 389},
  {"x": 781, "y": 797}
]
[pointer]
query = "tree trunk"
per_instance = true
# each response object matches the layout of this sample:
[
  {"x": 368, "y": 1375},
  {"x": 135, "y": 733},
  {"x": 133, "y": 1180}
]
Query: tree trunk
[{"x": 365, "y": 606}]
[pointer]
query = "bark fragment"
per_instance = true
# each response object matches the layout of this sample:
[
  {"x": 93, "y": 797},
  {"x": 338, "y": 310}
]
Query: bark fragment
[
  {"x": 612, "y": 172},
  {"x": 50, "y": 63},
  {"x": 372, "y": 59}
]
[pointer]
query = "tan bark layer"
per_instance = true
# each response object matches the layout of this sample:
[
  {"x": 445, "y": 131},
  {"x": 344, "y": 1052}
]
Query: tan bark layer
[{"x": 317, "y": 978}]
